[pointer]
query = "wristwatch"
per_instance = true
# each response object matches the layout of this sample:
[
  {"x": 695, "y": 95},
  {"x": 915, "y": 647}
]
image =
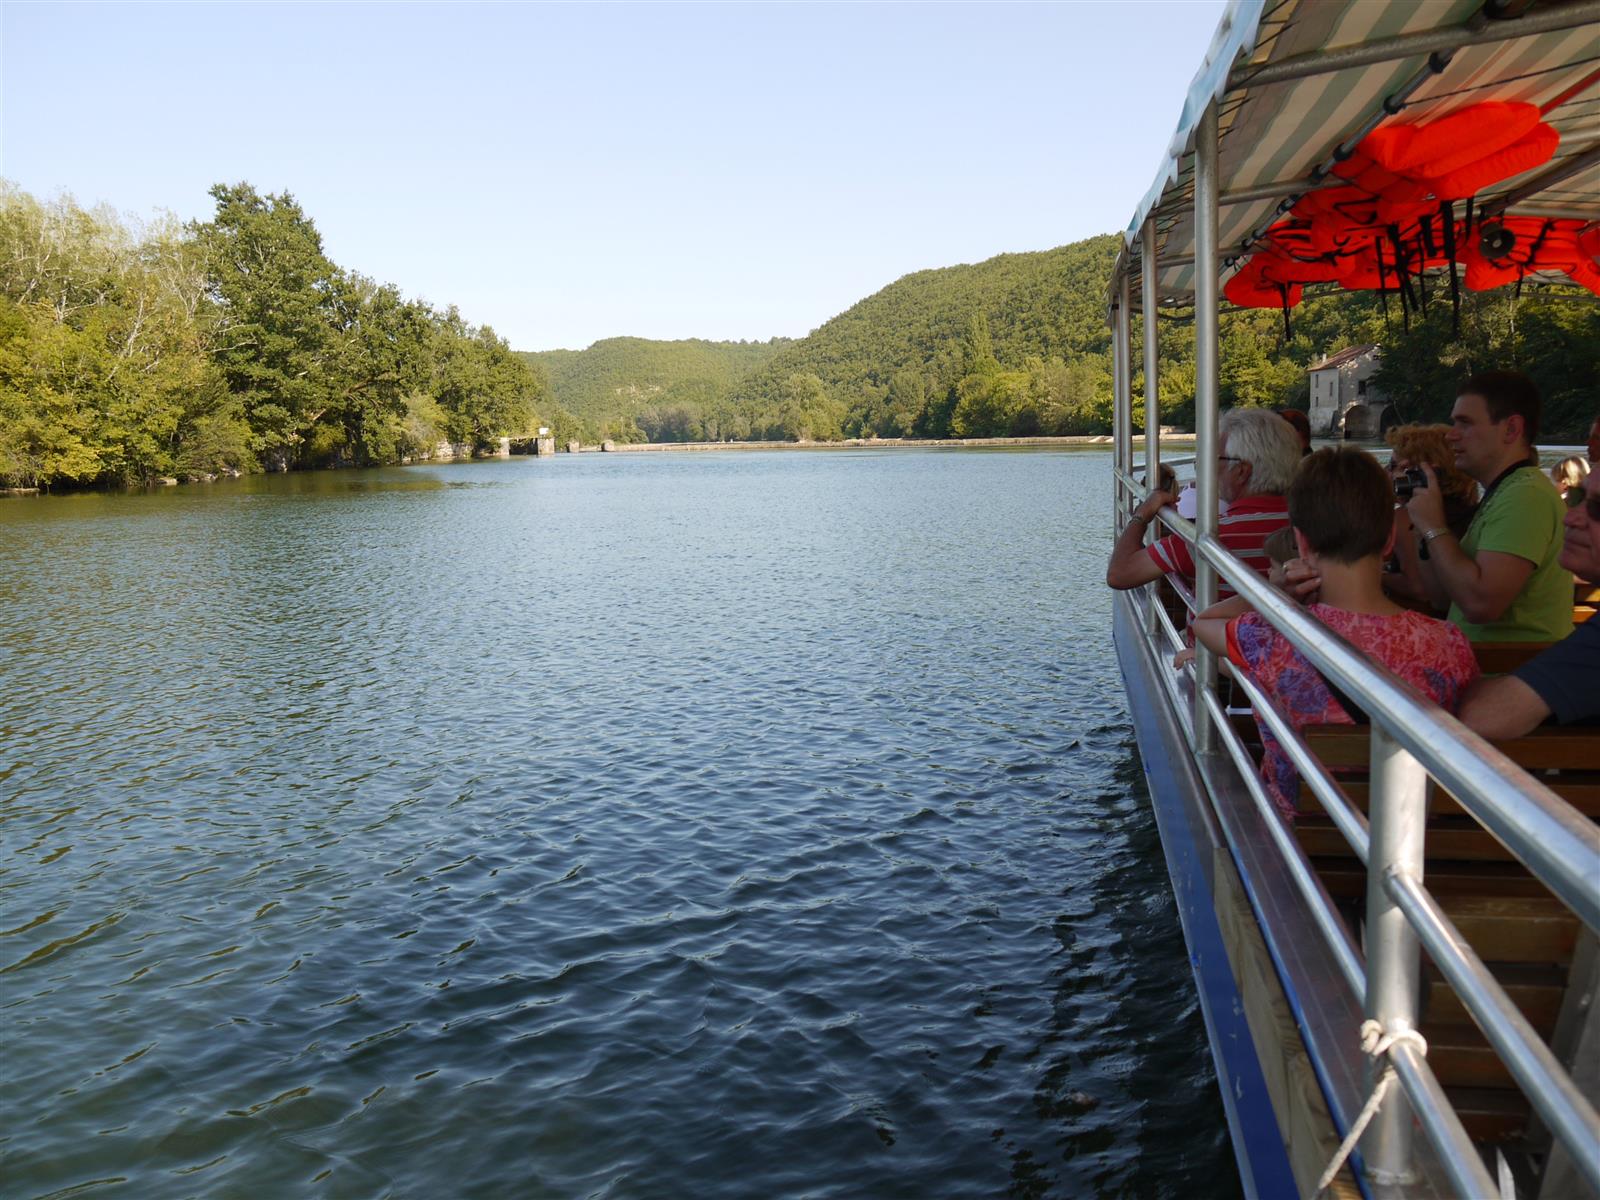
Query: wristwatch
[{"x": 1428, "y": 536}]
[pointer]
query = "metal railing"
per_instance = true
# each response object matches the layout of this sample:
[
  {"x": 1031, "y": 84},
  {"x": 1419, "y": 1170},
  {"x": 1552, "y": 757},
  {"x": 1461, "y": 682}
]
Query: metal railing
[{"x": 1412, "y": 739}]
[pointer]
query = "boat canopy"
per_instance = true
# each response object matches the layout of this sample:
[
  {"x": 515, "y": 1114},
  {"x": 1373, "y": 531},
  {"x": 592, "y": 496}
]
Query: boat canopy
[
  {"x": 1359, "y": 144},
  {"x": 1365, "y": 144}
]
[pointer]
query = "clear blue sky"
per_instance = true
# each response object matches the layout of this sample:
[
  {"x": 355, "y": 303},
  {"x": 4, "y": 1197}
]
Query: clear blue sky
[{"x": 570, "y": 172}]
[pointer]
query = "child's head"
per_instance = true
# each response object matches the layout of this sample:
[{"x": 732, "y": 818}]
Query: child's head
[
  {"x": 1280, "y": 546},
  {"x": 1570, "y": 473},
  {"x": 1342, "y": 504}
]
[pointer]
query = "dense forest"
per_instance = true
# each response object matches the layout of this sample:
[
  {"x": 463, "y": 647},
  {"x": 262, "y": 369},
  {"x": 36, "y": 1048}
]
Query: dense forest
[
  {"x": 235, "y": 344},
  {"x": 635, "y": 390},
  {"x": 1018, "y": 345},
  {"x": 133, "y": 353}
]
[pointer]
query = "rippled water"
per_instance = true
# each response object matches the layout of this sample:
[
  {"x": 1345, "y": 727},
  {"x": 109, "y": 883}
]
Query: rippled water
[{"x": 718, "y": 825}]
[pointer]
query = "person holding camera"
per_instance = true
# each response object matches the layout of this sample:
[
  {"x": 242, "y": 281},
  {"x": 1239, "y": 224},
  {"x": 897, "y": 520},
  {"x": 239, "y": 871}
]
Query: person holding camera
[
  {"x": 1411, "y": 446},
  {"x": 1502, "y": 580}
]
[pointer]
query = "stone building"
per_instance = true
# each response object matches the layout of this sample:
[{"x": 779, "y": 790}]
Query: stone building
[{"x": 1343, "y": 399}]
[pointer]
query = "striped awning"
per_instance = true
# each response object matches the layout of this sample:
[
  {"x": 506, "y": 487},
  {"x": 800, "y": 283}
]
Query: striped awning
[{"x": 1295, "y": 79}]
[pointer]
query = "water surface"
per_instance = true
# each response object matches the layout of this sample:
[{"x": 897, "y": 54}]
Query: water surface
[{"x": 713, "y": 825}]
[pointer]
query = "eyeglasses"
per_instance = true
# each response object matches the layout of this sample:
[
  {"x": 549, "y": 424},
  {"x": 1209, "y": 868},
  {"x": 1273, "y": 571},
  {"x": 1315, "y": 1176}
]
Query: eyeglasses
[
  {"x": 1228, "y": 458},
  {"x": 1576, "y": 498}
]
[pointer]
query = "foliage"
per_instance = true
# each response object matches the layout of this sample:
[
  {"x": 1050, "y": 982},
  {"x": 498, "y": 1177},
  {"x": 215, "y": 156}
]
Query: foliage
[
  {"x": 1019, "y": 345},
  {"x": 129, "y": 352},
  {"x": 133, "y": 351},
  {"x": 1555, "y": 339},
  {"x": 630, "y": 389},
  {"x": 1015, "y": 344}
]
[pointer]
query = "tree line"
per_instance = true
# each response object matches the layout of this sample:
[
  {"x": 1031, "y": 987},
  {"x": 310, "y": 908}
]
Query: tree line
[{"x": 233, "y": 344}]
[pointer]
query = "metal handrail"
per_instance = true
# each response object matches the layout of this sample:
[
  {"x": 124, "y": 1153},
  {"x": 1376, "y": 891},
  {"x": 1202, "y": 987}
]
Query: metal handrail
[
  {"x": 1401, "y": 712},
  {"x": 1327, "y": 918},
  {"x": 1547, "y": 835},
  {"x": 1458, "y": 1157},
  {"x": 1564, "y": 1108},
  {"x": 1328, "y": 793},
  {"x": 1439, "y": 1121},
  {"x": 1177, "y": 460},
  {"x": 1443, "y": 1127}
]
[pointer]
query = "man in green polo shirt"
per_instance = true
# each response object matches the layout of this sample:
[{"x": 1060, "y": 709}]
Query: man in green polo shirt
[{"x": 1503, "y": 580}]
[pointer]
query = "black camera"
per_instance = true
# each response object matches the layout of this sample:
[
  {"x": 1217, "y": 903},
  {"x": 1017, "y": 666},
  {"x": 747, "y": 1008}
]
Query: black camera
[{"x": 1410, "y": 482}]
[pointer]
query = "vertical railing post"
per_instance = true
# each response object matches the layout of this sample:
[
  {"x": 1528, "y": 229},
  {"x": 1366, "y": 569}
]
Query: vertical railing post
[
  {"x": 1116, "y": 421},
  {"x": 1123, "y": 436},
  {"x": 1398, "y": 810},
  {"x": 1205, "y": 401},
  {"x": 1152, "y": 348}
]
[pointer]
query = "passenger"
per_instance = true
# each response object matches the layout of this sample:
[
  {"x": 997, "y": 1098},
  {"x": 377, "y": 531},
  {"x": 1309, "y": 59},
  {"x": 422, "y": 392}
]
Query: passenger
[
  {"x": 1342, "y": 511},
  {"x": 1257, "y": 459},
  {"x": 1568, "y": 475},
  {"x": 1414, "y": 445},
  {"x": 1502, "y": 579},
  {"x": 1301, "y": 425},
  {"x": 1565, "y": 679}
]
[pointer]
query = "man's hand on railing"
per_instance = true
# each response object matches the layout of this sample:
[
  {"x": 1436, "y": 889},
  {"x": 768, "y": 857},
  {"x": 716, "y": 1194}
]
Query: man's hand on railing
[{"x": 1154, "y": 503}]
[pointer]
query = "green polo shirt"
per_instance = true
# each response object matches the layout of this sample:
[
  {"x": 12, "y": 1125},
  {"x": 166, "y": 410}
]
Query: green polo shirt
[{"x": 1522, "y": 516}]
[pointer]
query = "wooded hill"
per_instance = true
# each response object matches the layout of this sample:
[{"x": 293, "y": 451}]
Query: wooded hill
[
  {"x": 634, "y": 389},
  {"x": 1018, "y": 345}
]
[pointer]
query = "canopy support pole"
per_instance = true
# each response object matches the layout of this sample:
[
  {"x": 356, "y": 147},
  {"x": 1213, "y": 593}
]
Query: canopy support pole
[
  {"x": 1122, "y": 427},
  {"x": 1205, "y": 404},
  {"x": 1152, "y": 350}
]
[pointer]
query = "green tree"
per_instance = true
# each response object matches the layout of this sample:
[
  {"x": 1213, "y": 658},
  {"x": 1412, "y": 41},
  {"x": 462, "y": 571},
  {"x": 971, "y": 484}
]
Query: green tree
[
  {"x": 46, "y": 431},
  {"x": 277, "y": 292},
  {"x": 806, "y": 413}
]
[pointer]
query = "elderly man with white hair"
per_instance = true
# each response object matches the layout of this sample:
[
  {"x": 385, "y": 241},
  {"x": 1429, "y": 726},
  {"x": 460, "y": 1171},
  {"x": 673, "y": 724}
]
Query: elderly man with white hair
[{"x": 1258, "y": 456}]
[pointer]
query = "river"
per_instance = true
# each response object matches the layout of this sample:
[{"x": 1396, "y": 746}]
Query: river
[{"x": 714, "y": 826}]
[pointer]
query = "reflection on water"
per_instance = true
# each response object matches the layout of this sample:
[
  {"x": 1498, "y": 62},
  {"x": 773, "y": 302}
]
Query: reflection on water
[{"x": 713, "y": 825}]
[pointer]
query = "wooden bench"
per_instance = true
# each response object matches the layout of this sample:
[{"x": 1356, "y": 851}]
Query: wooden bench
[
  {"x": 1524, "y": 935},
  {"x": 1501, "y": 658}
]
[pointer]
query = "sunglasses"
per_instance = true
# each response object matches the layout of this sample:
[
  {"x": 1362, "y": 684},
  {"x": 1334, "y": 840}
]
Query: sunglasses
[{"x": 1576, "y": 498}]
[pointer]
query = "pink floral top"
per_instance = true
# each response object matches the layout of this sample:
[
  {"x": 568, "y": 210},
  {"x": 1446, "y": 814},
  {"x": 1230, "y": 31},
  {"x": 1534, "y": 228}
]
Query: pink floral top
[{"x": 1433, "y": 656}]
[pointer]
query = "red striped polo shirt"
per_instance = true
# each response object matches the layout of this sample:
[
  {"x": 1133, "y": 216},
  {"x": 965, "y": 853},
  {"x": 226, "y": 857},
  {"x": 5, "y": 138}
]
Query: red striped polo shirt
[{"x": 1250, "y": 521}]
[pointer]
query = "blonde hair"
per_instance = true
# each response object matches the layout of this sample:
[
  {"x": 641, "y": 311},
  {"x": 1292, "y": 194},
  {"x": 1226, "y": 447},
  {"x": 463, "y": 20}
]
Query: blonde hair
[
  {"x": 1426, "y": 444},
  {"x": 1570, "y": 472}
]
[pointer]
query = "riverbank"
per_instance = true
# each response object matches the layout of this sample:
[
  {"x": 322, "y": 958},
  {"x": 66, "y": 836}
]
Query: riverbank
[
  {"x": 871, "y": 443},
  {"x": 1178, "y": 439}
]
